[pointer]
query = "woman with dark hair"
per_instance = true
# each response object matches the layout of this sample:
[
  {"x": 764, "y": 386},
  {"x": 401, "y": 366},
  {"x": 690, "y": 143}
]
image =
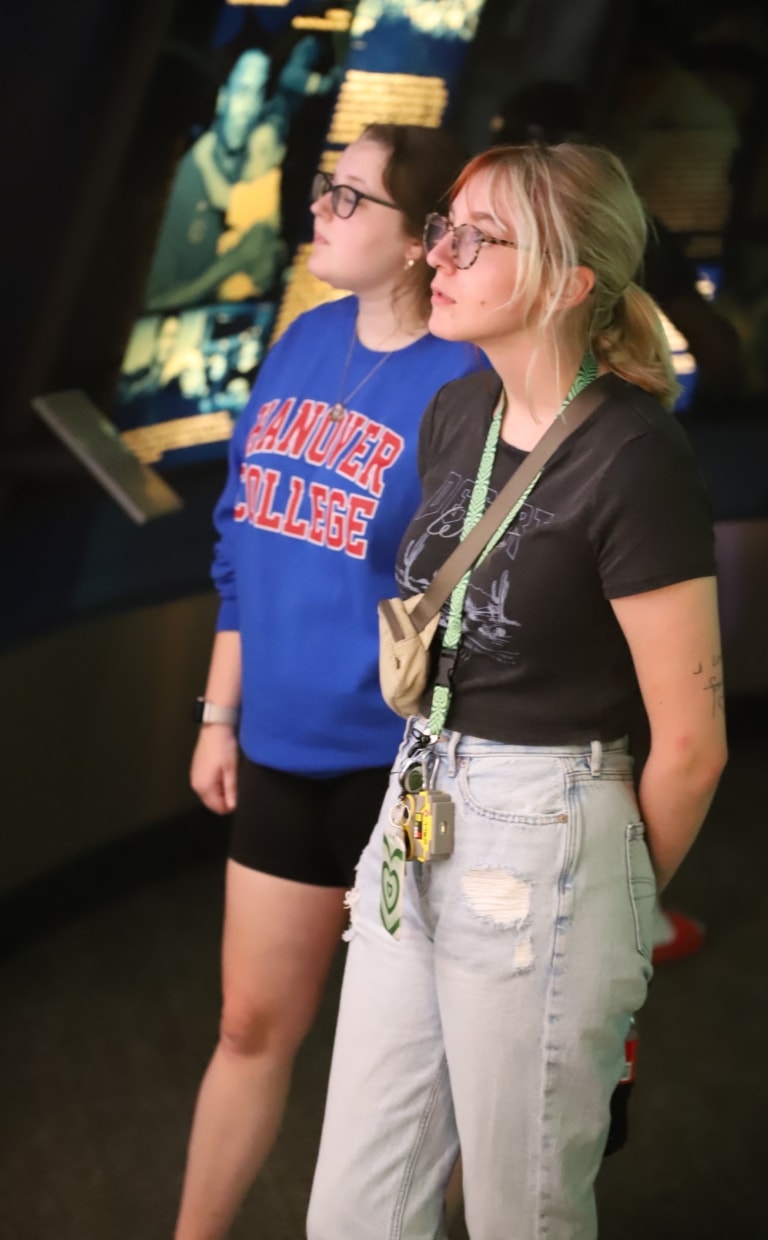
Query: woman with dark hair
[
  {"x": 489, "y": 988},
  {"x": 295, "y": 737}
]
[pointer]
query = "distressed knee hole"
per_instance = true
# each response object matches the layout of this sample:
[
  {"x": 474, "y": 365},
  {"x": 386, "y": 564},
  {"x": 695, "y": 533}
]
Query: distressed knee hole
[
  {"x": 503, "y": 899},
  {"x": 498, "y": 895},
  {"x": 351, "y": 901}
]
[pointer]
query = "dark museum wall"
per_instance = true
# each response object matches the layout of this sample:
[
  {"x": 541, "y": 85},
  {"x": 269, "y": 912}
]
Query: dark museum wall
[{"x": 98, "y": 97}]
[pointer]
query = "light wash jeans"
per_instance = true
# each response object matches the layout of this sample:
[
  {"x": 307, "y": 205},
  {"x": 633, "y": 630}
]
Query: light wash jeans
[{"x": 496, "y": 1023}]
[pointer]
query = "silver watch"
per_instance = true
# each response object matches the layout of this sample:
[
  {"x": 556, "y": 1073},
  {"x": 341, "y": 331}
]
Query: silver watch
[{"x": 209, "y": 712}]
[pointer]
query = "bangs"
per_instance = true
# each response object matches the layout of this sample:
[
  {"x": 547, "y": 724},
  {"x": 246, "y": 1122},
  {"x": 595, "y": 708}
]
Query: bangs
[
  {"x": 514, "y": 216},
  {"x": 525, "y": 206}
]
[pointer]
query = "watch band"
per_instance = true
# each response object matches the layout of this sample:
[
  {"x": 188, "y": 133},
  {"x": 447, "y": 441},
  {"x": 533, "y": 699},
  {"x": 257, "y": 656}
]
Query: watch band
[{"x": 209, "y": 712}]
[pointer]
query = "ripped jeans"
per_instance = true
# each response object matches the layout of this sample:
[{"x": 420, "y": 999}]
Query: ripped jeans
[{"x": 496, "y": 1023}]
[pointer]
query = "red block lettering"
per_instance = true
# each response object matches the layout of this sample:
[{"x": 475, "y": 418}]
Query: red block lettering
[
  {"x": 251, "y": 443},
  {"x": 351, "y": 464},
  {"x": 252, "y": 484},
  {"x": 318, "y": 497},
  {"x": 265, "y": 518},
  {"x": 361, "y": 509},
  {"x": 385, "y": 453},
  {"x": 348, "y": 428},
  {"x": 276, "y": 424},
  {"x": 292, "y": 443},
  {"x": 320, "y": 441},
  {"x": 292, "y": 527},
  {"x": 337, "y": 509}
]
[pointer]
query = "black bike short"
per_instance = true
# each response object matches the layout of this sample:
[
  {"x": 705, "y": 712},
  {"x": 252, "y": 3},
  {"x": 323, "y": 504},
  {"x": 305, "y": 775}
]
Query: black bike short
[{"x": 303, "y": 828}]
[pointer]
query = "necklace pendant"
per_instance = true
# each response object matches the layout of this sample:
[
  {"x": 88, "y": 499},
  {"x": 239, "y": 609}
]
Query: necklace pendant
[{"x": 336, "y": 412}]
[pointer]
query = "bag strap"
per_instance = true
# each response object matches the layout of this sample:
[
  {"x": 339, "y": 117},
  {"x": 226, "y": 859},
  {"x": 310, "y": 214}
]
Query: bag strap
[{"x": 464, "y": 556}]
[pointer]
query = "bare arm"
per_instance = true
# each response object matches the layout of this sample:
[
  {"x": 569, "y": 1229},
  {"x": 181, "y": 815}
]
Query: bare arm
[
  {"x": 674, "y": 638},
  {"x": 213, "y": 774}
]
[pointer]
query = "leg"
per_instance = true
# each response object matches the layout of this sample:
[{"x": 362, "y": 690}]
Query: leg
[
  {"x": 292, "y": 852},
  {"x": 542, "y": 954},
  {"x": 279, "y": 941},
  {"x": 389, "y": 1140}
]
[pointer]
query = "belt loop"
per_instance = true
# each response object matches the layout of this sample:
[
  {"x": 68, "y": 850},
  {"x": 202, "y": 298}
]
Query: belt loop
[
  {"x": 453, "y": 744},
  {"x": 596, "y": 759}
]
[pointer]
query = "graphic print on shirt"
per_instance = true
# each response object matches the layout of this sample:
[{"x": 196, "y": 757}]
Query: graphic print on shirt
[
  {"x": 356, "y": 450},
  {"x": 487, "y": 628}
]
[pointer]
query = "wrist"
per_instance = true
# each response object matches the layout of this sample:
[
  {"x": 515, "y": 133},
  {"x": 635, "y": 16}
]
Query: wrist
[{"x": 212, "y": 713}]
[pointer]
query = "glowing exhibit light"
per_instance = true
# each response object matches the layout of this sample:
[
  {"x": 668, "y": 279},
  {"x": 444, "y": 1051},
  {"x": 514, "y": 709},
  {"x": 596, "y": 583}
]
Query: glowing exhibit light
[
  {"x": 335, "y": 20},
  {"x": 150, "y": 443},
  {"x": 442, "y": 18},
  {"x": 229, "y": 271},
  {"x": 403, "y": 98}
]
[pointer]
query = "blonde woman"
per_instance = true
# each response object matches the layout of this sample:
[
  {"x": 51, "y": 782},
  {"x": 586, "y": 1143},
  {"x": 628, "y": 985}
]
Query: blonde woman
[{"x": 492, "y": 1016}]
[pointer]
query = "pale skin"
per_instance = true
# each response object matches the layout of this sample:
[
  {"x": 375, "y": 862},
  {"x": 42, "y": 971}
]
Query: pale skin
[
  {"x": 674, "y": 638},
  {"x": 672, "y": 633},
  {"x": 280, "y": 936}
]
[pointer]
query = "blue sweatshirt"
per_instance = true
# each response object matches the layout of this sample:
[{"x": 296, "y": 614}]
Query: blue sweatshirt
[{"x": 309, "y": 524}]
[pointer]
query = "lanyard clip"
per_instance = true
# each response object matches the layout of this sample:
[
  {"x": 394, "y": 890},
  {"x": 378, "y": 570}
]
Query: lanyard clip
[{"x": 446, "y": 664}]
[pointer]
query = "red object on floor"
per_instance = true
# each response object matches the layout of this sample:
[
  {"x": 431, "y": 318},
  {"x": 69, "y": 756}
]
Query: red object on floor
[{"x": 687, "y": 939}]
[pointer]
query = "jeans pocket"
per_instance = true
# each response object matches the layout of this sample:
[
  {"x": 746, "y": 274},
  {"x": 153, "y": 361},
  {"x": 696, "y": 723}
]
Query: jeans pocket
[
  {"x": 642, "y": 887},
  {"x": 518, "y": 789}
]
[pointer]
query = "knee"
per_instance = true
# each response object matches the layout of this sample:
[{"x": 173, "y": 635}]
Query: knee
[
  {"x": 266, "y": 1028},
  {"x": 247, "y": 1031}
]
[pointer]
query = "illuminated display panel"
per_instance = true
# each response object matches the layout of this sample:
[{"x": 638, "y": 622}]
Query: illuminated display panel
[{"x": 229, "y": 269}]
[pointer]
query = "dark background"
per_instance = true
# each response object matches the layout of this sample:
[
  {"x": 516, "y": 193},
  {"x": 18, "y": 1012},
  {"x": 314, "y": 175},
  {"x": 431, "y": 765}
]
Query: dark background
[{"x": 110, "y": 878}]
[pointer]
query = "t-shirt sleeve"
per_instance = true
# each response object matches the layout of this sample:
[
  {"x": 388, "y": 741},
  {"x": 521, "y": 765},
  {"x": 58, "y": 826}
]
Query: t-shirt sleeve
[
  {"x": 449, "y": 408},
  {"x": 426, "y": 436},
  {"x": 652, "y": 520}
]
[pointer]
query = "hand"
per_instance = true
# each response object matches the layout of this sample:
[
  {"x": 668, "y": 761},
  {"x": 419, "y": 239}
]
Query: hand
[{"x": 213, "y": 774}]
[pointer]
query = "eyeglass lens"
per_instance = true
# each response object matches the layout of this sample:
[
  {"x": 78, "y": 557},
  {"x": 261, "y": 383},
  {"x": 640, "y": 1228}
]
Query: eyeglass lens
[
  {"x": 465, "y": 241},
  {"x": 343, "y": 197},
  {"x": 321, "y": 184}
]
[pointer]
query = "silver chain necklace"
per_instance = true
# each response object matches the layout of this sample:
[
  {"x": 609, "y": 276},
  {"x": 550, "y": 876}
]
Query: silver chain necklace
[{"x": 341, "y": 408}]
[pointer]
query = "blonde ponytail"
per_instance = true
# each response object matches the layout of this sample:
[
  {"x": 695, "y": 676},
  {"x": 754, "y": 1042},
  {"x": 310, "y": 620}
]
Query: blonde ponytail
[{"x": 632, "y": 343}]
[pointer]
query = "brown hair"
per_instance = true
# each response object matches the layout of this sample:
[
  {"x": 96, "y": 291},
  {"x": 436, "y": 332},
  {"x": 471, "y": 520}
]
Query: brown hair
[
  {"x": 574, "y": 205},
  {"x": 422, "y": 165}
]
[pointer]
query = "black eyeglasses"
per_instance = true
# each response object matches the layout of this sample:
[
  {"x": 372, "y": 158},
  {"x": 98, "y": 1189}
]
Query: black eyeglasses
[
  {"x": 344, "y": 198},
  {"x": 466, "y": 240}
]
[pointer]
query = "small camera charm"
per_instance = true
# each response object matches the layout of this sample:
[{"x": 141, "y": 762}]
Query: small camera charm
[{"x": 426, "y": 819}]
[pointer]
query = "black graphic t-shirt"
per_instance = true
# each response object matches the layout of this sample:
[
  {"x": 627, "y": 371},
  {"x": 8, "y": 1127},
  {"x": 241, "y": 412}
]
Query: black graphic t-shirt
[{"x": 620, "y": 510}]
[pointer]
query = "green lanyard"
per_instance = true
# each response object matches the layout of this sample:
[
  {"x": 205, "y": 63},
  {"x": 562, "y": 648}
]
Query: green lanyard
[{"x": 441, "y": 693}]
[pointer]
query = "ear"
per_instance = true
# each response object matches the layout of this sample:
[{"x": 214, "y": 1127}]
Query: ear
[{"x": 581, "y": 281}]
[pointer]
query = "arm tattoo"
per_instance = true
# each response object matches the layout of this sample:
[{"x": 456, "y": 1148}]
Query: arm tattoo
[{"x": 713, "y": 683}]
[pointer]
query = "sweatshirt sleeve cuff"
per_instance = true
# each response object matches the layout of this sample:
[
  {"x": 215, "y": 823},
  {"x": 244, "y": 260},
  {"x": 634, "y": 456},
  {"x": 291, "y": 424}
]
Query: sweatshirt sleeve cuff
[{"x": 228, "y": 620}]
